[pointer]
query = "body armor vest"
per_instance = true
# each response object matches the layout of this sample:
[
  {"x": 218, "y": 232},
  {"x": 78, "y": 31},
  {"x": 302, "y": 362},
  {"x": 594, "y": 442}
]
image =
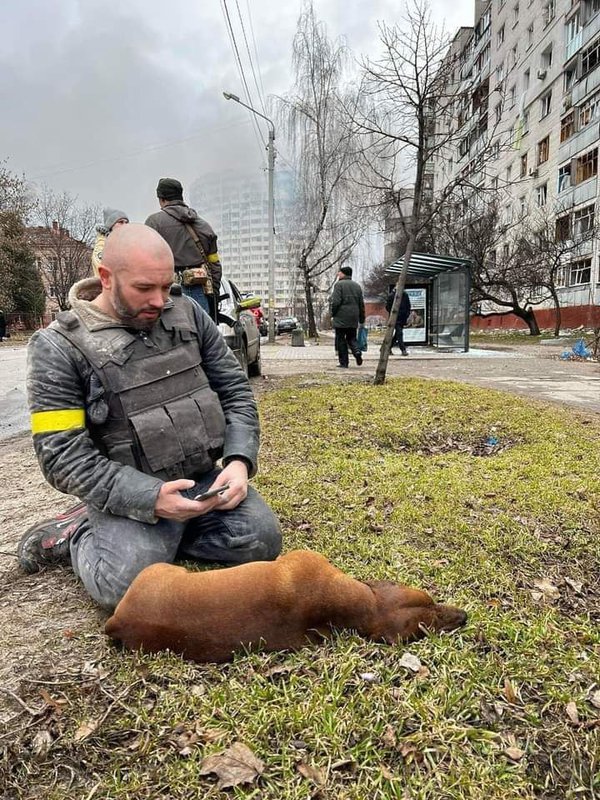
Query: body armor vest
[{"x": 152, "y": 408}]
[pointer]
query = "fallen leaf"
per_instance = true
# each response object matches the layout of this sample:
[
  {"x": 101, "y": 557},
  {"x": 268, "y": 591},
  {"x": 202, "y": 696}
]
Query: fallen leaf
[
  {"x": 572, "y": 714},
  {"x": 185, "y": 742},
  {"x": 313, "y": 774},
  {"x": 410, "y": 662},
  {"x": 41, "y": 743},
  {"x": 199, "y": 690},
  {"x": 387, "y": 773},
  {"x": 233, "y": 766},
  {"x": 423, "y": 673},
  {"x": 510, "y": 693},
  {"x": 577, "y": 586},
  {"x": 537, "y": 596},
  {"x": 49, "y": 700},
  {"x": 548, "y": 589},
  {"x": 514, "y": 753},
  {"x": 85, "y": 729},
  {"x": 389, "y": 737},
  {"x": 595, "y": 699}
]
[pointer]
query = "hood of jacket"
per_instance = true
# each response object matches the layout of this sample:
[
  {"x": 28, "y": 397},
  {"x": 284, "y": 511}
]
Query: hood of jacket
[
  {"x": 181, "y": 211},
  {"x": 81, "y": 295}
]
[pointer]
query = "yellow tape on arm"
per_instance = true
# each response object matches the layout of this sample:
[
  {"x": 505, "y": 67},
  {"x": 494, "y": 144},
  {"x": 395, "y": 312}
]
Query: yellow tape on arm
[
  {"x": 213, "y": 258},
  {"x": 64, "y": 419}
]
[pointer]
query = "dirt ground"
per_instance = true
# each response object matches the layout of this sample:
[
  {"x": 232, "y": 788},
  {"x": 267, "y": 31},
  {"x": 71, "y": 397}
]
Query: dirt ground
[{"x": 50, "y": 632}]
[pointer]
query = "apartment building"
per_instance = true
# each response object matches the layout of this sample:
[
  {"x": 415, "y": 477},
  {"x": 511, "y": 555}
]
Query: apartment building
[
  {"x": 527, "y": 85},
  {"x": 237, "y": 208}
]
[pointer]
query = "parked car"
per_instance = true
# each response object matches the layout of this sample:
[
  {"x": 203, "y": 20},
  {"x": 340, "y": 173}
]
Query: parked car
[
  {"x": 239, "y": 329},
  {"x": 287, "y": 324}
]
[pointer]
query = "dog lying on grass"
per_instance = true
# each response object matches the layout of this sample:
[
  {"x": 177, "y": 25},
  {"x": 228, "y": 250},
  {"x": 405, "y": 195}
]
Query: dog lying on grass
[{"x": 267, "y": 605}]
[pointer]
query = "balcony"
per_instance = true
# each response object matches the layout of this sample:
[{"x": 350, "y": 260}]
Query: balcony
[
  {"x": 581, "y": 140},
  {"x": 582, "y": 193},
  {"x": 573, "y": 46},
  {"x": 586, "y": 85},
  {"x": 590, "y": 29}
]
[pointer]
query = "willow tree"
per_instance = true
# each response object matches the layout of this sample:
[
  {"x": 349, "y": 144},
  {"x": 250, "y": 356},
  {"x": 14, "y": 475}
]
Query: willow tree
[{"x": 327, "y": 225}]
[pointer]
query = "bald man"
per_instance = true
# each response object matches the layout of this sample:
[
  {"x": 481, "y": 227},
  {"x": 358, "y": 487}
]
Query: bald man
[{"x": 134, "y": 397}]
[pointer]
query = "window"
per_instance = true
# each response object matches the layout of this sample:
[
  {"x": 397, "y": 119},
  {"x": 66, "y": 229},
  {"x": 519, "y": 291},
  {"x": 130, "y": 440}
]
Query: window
[
  {"x": 549, "y": 11},
  {"x": 589, "y": 111},
  {"x": 525, "y": 119},
  {"x": 580, "y": 272},
  {"x": 541, "y": 195},
  {"x": 495, "y": 150},
  {"x": 543, "y": 150},
  {"x": 530, "y": 35},
  {"x": 526, "y": 79},
  {"x": 564, "y": 178},
  {"x": 545, "y": 105},
  {"x": 569, "y": 78},
  {"x": 546, "y": 61},
  {"x": 500, "y": 72},
  {"x": 494, "y": 183},
  {"x": 498, "y": 112},
  {"x": 500, "y": 37},
  {"x": 514, "y": 56},
  {"x": 563, "y": 228},
  {"x": 523, "y": 206},
  {"x": 509, "y": 173},
  {"x": 515, "y": 14},
  {"x": 523, "y": 172},
  {"x": 512, "y": 97},
  {"x": 567, "y": 126},
  {"x": 590, "y": 58},
  {"x": 583, "y": 221},
  {"x": 572, "y": 28},
  {"x": 586, "y": 166}
]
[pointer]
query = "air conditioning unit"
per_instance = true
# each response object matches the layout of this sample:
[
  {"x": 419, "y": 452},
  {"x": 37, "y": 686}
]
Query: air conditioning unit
[
  {"x": 533, "y": 173},
  {"x": 541, "y": 73}
]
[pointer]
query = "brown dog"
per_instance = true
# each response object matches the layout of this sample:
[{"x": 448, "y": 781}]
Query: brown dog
[{"x": 267, "y": 605}]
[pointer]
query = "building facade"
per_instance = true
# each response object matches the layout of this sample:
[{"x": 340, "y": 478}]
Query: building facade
[
  {"x": 237, "y": 208},
  {"x": 527, "y": 84}
]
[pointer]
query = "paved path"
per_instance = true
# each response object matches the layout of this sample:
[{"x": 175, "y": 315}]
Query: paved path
[{"x": 526, "y": 370}]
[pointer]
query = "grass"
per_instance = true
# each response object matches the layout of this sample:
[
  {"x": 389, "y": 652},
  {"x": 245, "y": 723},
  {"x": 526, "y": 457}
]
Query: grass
[{"x": 473, "y": 495}]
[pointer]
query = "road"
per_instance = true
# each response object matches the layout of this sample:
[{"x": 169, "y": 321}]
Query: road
[{"x": 529, "y": 370}]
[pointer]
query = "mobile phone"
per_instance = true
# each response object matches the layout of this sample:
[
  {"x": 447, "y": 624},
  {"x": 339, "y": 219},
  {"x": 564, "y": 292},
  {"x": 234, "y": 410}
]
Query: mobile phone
[{"x": 211, "y": 493}]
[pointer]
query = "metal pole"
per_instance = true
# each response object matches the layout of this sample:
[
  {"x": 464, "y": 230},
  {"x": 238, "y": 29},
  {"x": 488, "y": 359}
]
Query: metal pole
[
  {"x": 271, "y": 149},
  {"x": 271, "y": 222}
]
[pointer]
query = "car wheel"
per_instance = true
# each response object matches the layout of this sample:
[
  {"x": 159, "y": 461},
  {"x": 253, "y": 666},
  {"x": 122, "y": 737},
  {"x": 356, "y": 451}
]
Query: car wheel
[
  {"x": 242, "y": 356},
  {"x": 255, "y": 369}
]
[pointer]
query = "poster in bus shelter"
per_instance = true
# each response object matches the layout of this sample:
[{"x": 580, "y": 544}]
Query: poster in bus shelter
[{"x": 415, "y": 330}]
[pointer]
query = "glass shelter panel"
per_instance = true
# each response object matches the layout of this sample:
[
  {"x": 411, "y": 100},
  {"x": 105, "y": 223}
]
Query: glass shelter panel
[{"x": 450, "y": 311}]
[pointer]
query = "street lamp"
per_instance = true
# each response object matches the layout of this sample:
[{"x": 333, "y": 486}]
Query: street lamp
[{"x": 271, "y": 152}]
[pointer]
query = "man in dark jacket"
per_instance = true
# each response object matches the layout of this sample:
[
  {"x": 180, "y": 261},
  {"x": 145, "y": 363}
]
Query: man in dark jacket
[
  {"x": 347, "y": 313},
  {"x": 134, "y": 396},
  {"x": 401, "y": 319},
  {"x": 177, "y": 223}
]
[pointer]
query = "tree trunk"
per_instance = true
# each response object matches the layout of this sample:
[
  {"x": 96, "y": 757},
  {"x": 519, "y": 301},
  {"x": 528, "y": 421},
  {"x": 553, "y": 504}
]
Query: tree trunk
[
  {"x": 384, "y": 352},
  {"x": 310, "y": 311},
  {"x": 528, "y": 317},
  {"x": 557, "y": 312}
]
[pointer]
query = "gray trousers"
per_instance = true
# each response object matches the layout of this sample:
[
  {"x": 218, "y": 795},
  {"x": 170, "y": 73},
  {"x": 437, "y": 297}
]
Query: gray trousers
[{"x": 107, "y": 552}]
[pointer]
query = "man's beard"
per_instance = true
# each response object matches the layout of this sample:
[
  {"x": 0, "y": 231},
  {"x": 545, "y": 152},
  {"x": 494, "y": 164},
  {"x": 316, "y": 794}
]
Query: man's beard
[{"x": 129, "y": 316}]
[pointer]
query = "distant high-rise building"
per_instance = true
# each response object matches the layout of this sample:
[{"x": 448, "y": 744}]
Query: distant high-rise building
[{"x": 237, "y": 207}]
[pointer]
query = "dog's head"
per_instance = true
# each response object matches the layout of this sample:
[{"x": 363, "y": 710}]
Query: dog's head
[{"x": 405, "y": 614}]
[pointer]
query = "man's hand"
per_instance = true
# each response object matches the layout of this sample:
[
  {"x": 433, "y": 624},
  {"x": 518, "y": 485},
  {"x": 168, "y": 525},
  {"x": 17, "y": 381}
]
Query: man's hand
[{"x": 170, "y": 504}]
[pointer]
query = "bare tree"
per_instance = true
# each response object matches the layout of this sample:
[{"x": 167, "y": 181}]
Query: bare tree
[
  {"x": 64, "y": 240},
  {"x": 328, "y": 226},
  {"x": 15, "y": 194},
  {"x": 407, "y": 92},
  {"x": 502, "y": 269}
]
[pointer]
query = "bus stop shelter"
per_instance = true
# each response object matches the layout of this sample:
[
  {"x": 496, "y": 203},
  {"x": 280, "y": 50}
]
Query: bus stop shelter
[{"x": 439, "y": 288}]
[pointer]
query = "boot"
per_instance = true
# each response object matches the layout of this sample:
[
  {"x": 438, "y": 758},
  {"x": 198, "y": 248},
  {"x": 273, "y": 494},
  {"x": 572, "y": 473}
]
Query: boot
[{"x": 47, "y": 543}]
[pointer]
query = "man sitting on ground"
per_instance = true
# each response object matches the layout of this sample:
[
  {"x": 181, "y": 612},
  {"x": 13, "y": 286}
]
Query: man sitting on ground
[{"x": 134, "y": 396}]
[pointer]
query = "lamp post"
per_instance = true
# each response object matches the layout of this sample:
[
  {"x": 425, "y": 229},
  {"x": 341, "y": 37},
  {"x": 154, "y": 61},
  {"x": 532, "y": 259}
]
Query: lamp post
[{"x": 271, "y": 162}]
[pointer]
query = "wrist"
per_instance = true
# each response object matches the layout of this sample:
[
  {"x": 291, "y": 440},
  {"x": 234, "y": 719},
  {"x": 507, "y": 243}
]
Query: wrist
[{"x": 242, "y": 460}]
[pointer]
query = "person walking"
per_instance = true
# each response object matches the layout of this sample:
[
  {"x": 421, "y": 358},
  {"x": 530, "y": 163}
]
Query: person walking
[
  {"x": 134, "y": 398},
  {"x": 194, "y": 245},
  {"x": 401, "y": 319},
  {"x": 347, "y": 313}
]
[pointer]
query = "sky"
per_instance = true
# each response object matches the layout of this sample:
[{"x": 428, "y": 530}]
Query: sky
[{"x": 101, "y": 100}]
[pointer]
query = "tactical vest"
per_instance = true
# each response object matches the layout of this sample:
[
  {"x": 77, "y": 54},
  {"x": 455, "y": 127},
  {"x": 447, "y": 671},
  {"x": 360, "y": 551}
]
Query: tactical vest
[{"x": 154, "y": 409}]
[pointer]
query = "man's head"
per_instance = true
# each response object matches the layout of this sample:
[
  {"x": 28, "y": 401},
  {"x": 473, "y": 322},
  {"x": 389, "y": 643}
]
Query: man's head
[
  {"x": 113, "y": 217},
  {"x": 345, "y": 272},
  {"x": 168, "y": 190},
  {"x": 136, "y": 274}
]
